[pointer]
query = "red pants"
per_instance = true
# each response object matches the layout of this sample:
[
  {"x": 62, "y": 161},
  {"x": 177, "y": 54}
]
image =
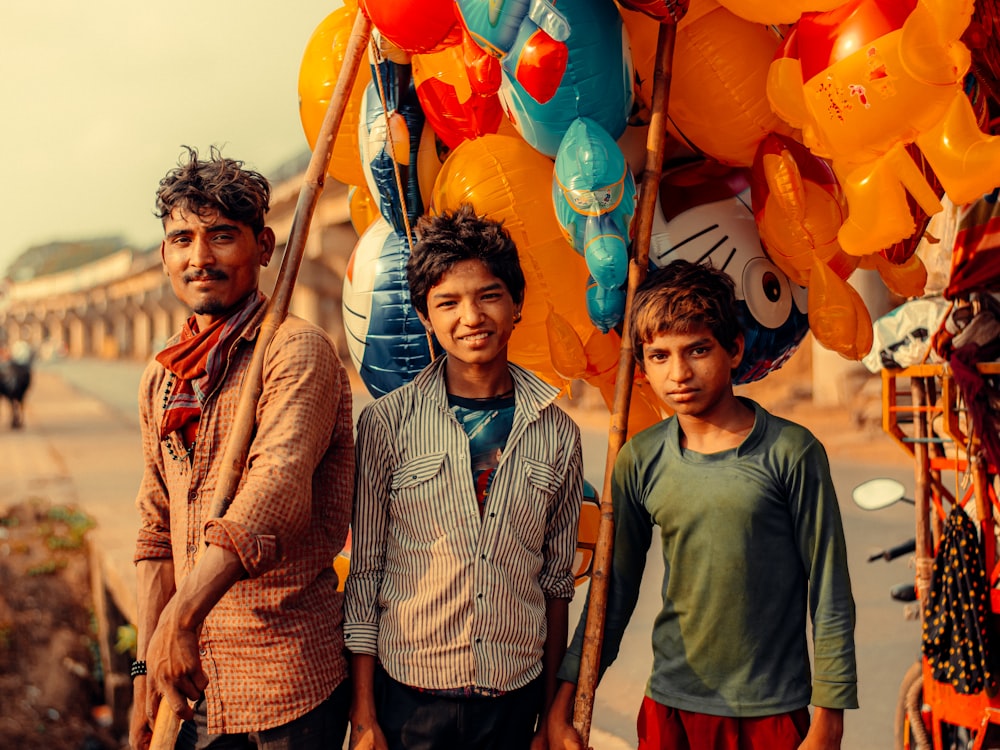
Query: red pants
[{"x": 663, "y": 728}]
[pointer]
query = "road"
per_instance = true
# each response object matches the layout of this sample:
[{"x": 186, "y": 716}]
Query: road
[{"x": 887, "y": 642}]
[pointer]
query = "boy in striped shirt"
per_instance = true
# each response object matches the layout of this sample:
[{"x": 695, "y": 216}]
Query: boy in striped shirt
[{"x": 467, "y": 498}]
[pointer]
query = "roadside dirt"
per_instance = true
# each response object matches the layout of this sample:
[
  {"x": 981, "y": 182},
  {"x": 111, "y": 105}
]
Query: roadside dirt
[{"x": 50, "y": 681}]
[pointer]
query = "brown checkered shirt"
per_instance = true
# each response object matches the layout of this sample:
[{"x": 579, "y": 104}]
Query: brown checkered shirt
[{"x": 273, "y": 645}]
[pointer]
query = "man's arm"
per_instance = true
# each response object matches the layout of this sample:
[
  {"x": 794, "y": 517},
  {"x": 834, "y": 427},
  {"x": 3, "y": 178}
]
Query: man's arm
[
  {"x": 172, "y": 659},
  {"x": 155, "y": 586}
]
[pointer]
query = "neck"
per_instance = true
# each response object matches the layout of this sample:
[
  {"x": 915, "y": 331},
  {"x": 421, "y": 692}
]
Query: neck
[
  {"x": 478, "y": 381},
  {"x": 725, "y": 427}
]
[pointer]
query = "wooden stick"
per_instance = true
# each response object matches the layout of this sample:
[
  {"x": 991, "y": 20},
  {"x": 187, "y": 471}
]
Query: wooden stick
[
  {"x": 655, "y": 148},
  {"x": 238, "y": 444}
]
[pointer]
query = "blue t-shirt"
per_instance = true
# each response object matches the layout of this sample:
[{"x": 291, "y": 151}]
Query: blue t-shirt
[{"x": 487, "y": 422}]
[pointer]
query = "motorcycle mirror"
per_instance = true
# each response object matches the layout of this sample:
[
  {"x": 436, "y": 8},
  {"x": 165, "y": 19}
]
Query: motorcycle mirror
[{"x": 876, "y": 494}]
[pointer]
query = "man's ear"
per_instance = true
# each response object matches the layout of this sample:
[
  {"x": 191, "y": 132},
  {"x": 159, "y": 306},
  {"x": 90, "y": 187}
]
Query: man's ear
[
  {"x": 267, "y": 242},
  {"x": 163, "y": 256}
]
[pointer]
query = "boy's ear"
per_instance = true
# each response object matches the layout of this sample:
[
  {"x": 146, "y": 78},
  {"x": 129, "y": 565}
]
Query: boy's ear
[
  {"x": 425, "y": 321},
  {"x": 739, "y": 344}
]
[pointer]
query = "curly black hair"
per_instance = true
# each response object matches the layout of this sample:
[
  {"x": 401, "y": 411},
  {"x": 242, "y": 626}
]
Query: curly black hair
[{"x": 204, "y": 186}]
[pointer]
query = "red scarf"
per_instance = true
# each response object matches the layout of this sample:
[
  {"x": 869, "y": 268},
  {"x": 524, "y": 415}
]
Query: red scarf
[{"x": 196, "y": 363}]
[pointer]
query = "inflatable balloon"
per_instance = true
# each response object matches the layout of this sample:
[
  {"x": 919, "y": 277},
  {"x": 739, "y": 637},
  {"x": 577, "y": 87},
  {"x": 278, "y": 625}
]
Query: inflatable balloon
[
  {"x": 540, "y": 95},
  {"x": 362, "y": 207},
  {"x": 321, "y": 63},
  {"x": 770, "y": 12},
  {"x": 717, "y": 104},
  {"x": 389, "y": 138},
  {"x": 838, "y": 316},
  {"x": 458, "y": 106},
  {"x": 593, "y": 193},
  {"x": 704, "y": 215},
  {"x": 664, "y": 11},
  {"x": 799, "y": 208},
  {"x": 866, "y": 79},
  {"x": 386, "y": 340},
  {"x": 414, "y": 25},
  {"x": 586, "y": 534}
]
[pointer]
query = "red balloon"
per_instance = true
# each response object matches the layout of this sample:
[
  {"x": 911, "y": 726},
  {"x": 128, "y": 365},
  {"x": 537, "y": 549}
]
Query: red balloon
[{"x": 414, "y": 25}]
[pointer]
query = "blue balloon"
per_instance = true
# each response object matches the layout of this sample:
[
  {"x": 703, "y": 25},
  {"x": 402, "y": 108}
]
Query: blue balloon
[
  {"x": 596, "y": 82},
  {"x": 388, "y": 144},
  {"x": 387, "y": 341},
  {"x": 605, "y": 306},
  {"x": 593, "y": 193}
]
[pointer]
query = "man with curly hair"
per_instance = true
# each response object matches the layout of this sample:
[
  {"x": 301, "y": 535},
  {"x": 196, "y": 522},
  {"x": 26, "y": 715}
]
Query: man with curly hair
[{"x": 239, "y": 614}]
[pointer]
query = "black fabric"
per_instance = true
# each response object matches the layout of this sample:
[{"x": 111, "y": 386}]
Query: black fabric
[{"x": 956, "y": 624}]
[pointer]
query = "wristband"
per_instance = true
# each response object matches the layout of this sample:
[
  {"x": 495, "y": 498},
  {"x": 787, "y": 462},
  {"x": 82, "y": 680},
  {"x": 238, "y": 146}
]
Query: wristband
[{"x": 137, "y": 668}]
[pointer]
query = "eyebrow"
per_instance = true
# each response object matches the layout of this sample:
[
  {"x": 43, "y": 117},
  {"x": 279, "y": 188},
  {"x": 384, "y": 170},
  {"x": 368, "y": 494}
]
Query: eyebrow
[
  {"x": 213, "y": 228},
  {"x": 488, "y": 288}
]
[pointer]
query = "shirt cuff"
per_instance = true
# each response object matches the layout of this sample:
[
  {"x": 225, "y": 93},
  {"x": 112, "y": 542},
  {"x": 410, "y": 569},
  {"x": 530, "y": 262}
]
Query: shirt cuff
[
  {"x": 152, "y": 546},
  {"x": 361, "y": 639},
  {"x": 835, "y": 694},
  {"x": 258, "y": 553}
]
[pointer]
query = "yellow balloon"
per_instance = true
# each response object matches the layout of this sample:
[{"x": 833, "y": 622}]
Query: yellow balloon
[
  {"x": 838, "y": 317},
  {"x": 321, "y": 63}
]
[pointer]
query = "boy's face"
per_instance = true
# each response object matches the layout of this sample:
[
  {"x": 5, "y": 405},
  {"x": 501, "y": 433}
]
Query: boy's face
[
  {"x": 471, "y": 312},
  {"x": 691, "y": 372}
]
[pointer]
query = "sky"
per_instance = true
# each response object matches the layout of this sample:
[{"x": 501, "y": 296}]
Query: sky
[{"x": 97, "y": 97}]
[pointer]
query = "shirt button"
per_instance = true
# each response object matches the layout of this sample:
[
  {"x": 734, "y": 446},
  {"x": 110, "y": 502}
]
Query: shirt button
[
  {"x": 479, "y": 640},
  {"x": 192, "y": 548},
  {"x": 479, "y": 596},
  {"x": 482, "y": 557},
  {"x": 203, "y": 651},
  {"x": 192, "y": 495}
]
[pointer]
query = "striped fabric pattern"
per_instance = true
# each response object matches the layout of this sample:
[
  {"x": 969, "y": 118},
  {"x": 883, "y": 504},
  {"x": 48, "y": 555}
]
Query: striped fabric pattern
[
  {"x": 444, "y": 598},
  {"x": 272, "y": 647}
]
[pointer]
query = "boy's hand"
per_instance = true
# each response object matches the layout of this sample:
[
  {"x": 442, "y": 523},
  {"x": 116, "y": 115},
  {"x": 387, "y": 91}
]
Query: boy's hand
[
  {"x": 825, "y": 731},
  {"x": 562, "y": 735},
  {"x": 366, "y": 735}
]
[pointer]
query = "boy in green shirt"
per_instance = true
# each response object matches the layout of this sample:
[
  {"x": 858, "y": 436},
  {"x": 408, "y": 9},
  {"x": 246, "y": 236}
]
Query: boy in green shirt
[{"x": 751, "y": 536}]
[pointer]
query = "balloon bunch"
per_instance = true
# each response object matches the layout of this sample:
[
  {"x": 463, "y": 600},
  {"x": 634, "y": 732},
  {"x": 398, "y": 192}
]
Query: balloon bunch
[{"x": 808, "y": 139}]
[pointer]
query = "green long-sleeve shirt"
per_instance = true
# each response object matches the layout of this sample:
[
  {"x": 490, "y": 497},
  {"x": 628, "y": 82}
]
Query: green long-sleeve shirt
[{"x": 752, "y": 539}]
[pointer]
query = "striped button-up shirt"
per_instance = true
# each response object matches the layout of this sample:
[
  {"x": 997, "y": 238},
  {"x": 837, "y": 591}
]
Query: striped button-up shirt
[
  {"x": 272, "y": 646},
  {"x": 443, "y": 597}
]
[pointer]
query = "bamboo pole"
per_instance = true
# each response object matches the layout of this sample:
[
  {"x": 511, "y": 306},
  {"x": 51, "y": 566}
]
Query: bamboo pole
[
  {"x": 167, "y": 723},
  {"x": 655, "y": 147}
]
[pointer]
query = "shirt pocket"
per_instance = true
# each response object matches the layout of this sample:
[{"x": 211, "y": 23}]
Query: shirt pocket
[
  {"x": 419, "y": 507},
  {"x": 536, "y": 484}
]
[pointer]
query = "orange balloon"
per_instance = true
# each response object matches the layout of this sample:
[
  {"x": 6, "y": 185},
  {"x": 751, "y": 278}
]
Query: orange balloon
[
  {"x": 321, "y": 63},
  {"x": 717, "y": 91},
  {"x": 838, "y": 317},
  {"x": 768, "y": 11},
  {"x": 362, "y": 207}
]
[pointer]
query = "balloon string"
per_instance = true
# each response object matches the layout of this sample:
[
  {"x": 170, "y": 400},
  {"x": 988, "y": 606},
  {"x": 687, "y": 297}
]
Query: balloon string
[{"x": 392, "y": 146}]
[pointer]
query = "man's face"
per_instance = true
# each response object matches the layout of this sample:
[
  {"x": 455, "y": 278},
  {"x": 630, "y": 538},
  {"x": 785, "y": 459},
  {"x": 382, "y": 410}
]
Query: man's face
[{"x": 213, "y": 262}]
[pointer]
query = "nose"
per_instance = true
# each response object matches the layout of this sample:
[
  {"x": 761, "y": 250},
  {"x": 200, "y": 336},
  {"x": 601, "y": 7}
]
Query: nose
[
  {"x": 472, "y": 314},
  {"x": 680, "y": 370},
  {"x": 200, "y": 254}
]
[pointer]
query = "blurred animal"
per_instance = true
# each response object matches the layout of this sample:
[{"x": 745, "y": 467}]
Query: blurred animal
[{"x": 15, "y": 379}]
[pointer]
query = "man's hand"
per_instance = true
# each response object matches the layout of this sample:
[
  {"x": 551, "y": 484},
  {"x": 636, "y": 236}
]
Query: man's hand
[
  {"x": 173, "y": 664},
  {"x": 562, "y": 735},
  {"x": 140, "y": 728},
  {"x": 825, "y": 731}
]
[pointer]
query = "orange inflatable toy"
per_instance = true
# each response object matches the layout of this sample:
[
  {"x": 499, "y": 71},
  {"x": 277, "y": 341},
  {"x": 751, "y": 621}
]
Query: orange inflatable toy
[
  {"x": 717, "y": 102},
  {"x": 321, "y": 63},
  {"x": 768, "y": 11},
  {"x": 864, "y": 80}
]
